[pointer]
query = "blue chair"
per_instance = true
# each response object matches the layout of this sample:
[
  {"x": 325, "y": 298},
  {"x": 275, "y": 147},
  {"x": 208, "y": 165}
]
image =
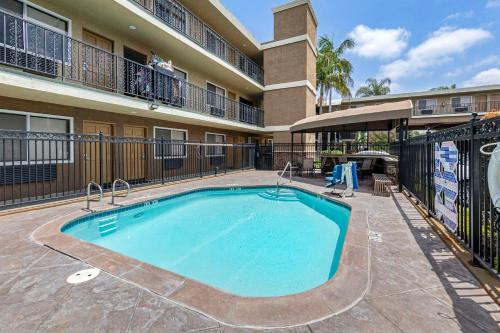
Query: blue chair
[{"x": 336, "y": 177}]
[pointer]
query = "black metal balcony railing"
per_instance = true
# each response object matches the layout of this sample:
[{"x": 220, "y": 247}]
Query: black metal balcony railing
[
  {"x": 182, "y": 20},
  {"x": 36, "y": 49},
  {"x": 448, "y": 109}
]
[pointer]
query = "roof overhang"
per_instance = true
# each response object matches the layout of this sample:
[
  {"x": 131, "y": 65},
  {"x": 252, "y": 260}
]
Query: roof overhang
[{"x": 380, "y": 117}]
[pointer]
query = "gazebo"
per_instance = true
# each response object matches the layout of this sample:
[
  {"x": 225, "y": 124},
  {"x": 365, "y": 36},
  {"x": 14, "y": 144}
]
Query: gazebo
[{"x": 381, "y": 117}]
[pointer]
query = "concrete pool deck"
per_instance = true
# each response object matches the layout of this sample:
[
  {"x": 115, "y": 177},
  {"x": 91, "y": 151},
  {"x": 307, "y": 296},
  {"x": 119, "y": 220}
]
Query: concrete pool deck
[{"x": 416, "y": 284}]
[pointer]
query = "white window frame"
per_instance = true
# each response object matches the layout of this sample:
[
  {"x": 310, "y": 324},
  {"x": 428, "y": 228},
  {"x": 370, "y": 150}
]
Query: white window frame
[
  {"x": 184, "y": 71},
  {"x": 170, "y": 129},
  {"x": 466, "y": 96},
  {"x": 28, "y": 115},
  {"x": 225, "y": 93},
  {"x": 25, "y": 17},
  {"x": 206, "y": 141},
  {"x": 27, "y": 3},
  {"x": 435, "y": 104}
]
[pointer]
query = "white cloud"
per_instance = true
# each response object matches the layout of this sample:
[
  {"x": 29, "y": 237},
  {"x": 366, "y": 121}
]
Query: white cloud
[
  {"x": 492, "y": 60},
  {"x": 379, "y": 43},
  {"x": 460, "y": 15},
  {"x": 493, "y": 3},
  {"x": 484, "y": 78},
  {"x": 439, "y": 48}
]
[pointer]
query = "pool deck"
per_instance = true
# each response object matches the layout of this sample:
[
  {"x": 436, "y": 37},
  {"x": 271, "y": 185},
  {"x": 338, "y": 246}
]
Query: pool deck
[{"x": 409, "y": 281}]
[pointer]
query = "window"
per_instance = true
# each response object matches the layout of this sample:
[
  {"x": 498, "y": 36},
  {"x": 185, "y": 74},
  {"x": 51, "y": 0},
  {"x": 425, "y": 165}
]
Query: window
[
  {"x": 12, "y": 6},
  {"x": 180, "y": 74},
  {"x": 426, "y": 106},
  {"x": 174, "y": 146},
  {"x": 216, "y": 100},
  {"x": 36, "y": 150},
  {"x": 45, "y": 42},
  {"x": 461, "y": 103},
  {"x": 215, "y": 150}
]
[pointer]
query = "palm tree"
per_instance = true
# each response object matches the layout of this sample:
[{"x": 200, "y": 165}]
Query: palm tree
[
  {"x": 333, "y": 71},
  {"x": 374, "y": 88}
]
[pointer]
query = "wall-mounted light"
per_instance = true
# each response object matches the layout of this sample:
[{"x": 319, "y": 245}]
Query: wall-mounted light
[
  {"x": 153, "y": 106},
  {"x": 132, "y": 27}
]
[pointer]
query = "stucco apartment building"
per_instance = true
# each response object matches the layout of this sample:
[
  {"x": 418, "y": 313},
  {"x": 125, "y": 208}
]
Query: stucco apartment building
[
  {"x": 434, "y": 108},
  {"x": 91, "y": 66}
]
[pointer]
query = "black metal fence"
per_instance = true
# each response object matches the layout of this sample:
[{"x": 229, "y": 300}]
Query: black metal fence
[
  {"x": 478, "y": 226},
  {"x": 53, "y": 54},
  {"x": 276, "y": 156},
  {"x": 42, "y": 166}
]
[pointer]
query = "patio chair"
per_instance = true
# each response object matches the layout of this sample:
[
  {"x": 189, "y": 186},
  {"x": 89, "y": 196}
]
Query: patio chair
[
  {"x": 308, "y": 165},
  {"x": 366, "y": 167}
]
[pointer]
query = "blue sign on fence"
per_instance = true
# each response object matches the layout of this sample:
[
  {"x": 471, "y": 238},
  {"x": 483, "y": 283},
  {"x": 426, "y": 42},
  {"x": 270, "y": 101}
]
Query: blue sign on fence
[{"x": 446, "y": 183}]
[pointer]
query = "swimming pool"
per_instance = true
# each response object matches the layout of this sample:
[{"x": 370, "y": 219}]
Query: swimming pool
[{"x": 246, "y": 241}]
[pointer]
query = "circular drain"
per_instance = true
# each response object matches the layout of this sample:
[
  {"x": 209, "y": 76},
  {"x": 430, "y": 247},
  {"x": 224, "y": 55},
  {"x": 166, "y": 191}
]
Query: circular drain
[{"x": 83, "y": 276}]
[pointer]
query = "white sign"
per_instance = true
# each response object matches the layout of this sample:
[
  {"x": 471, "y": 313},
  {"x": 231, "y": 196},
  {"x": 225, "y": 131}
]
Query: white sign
[{"x": 446, "y": 183}]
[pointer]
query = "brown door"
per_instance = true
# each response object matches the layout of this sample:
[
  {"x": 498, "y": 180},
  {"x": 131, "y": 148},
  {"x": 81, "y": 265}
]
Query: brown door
[
  {"x": 232, "y": 107},
  {"x": 95, "y": 169},
  {"x": 134, "y": 154},
  {"x": 97, "y": 61}
]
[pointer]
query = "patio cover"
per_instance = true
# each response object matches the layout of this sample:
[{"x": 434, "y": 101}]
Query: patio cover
[{"x": 380, "y": 117}]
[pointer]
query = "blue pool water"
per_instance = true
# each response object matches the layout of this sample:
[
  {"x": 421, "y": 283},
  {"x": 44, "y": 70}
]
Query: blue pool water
[{"x": 248, "y": 242}]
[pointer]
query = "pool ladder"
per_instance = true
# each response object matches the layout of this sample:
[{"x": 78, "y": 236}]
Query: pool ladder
[
  {"x": 113, "y": 190},
  {"x": 288, "y": 165},
  {"x": 89, "y": 187}
]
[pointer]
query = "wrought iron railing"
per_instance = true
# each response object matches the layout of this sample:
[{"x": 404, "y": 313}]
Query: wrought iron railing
[
  {"x": 276, "y": 156},
  {"x": 37, "y": 167},
  {"x": 176, "y": 16},
  {"x": 477, "y": 223},
  {"x": 457, "y": 108},
  {"x": 39, "y": 50}
]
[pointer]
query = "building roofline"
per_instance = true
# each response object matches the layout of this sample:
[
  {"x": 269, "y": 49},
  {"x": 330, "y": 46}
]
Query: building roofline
[
  {"x": 296, "y": 3},
  {"x": 236, "y": 23},
  {"x": 417, "y": 94}
]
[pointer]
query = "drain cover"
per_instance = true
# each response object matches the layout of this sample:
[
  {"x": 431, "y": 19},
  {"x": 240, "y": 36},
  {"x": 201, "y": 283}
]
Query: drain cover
[
  {"x": 83, "y": 276},
  {"x": 375, "y": 236}
]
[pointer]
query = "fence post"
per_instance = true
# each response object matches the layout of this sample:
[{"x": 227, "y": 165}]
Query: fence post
[
  {"x": 430, "y": 169},
  {"x": 101, "y": 157},
  {"x": 402, "y": 129},
  {"x": 201, "y": 161},
  {"x": 474, "y": 191},
  {"x": 162, "y": 143}
]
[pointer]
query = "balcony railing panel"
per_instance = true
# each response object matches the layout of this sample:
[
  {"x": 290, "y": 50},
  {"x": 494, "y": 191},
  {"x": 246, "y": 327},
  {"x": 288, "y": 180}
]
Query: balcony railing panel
[
  {"x": 39, "y": 50},
  {"x": 176, "y": 16},
  {"x": 457, "y": 108}
]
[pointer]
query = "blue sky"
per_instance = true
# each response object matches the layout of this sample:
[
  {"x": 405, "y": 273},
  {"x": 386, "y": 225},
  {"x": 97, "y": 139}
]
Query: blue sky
[{"x": 419, "y": 44}]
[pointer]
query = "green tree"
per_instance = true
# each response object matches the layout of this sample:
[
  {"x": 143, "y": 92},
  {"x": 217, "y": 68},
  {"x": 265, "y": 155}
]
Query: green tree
[
  {"x": 333, "y": 71},
  {"x": 453, "y": 86},
  {"x": 374, "y": 88}
]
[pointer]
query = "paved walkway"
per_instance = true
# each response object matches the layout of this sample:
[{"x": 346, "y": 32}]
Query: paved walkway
[{"x": 417, "y": 285}]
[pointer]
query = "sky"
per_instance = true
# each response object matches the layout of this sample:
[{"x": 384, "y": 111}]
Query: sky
[{"x": 418, "y": 44}]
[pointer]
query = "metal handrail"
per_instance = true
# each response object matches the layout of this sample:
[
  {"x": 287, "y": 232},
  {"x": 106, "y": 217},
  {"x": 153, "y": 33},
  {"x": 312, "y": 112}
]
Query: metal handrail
[
  {"x": 89, "y": 186},
  {"x": 289, "y": 164},
  {"x": 113, "y": 189}
]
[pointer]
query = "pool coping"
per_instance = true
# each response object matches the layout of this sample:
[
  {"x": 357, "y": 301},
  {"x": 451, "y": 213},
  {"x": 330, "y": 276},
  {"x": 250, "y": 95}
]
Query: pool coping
[{"x": 346, "y": 288}]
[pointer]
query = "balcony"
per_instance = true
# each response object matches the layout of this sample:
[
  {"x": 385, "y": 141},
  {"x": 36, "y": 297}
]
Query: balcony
[
  {"x": 456, "y": 109},
  {"x": 51, "y": 54},
  {"x": 177, "y": 17}
]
